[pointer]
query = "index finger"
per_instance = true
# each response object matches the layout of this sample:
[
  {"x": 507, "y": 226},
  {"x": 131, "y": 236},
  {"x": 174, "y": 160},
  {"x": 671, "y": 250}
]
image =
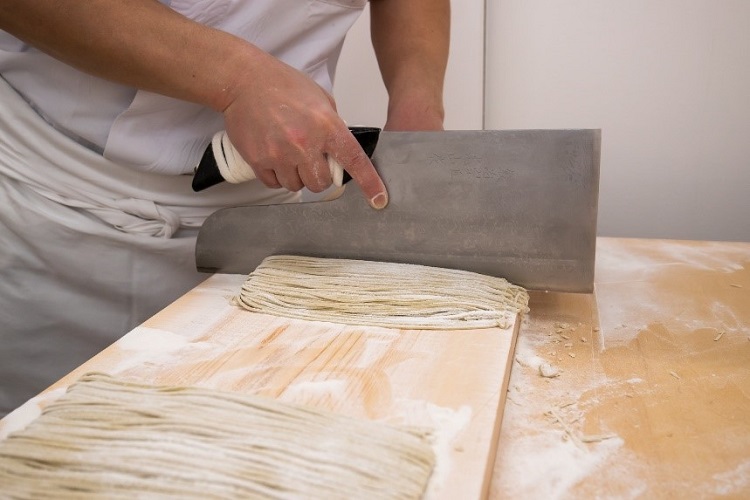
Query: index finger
[{"x": 345, "y": 149}]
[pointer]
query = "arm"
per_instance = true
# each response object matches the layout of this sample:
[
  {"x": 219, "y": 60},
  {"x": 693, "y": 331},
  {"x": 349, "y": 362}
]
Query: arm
[
  {"x": 281, "y": 122},
  {"x": 411, "y": 39}
]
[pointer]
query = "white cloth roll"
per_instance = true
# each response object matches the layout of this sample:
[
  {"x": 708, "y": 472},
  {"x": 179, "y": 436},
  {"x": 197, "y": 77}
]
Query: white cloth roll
[{"x": 236, "y": 170}]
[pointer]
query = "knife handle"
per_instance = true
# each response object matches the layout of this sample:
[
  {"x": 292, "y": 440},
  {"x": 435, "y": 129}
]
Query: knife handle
[
  {"x": 222, "y": 162},
  {"x": 235, "y": 170}
]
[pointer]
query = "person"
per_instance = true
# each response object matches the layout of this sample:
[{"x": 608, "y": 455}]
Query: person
[{"x": 106, "y": 109}]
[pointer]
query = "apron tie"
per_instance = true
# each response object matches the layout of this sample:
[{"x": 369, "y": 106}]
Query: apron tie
[{"x": 142, "y": 217}]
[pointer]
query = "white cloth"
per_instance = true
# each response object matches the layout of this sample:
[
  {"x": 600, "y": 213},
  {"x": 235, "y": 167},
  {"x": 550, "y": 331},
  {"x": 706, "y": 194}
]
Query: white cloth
[
  {"x": 154, "y": 133},
  {"x": 59, "y": 169},
  {"x": 91, "y": 247},
  {"x": 88, "y": 249}
]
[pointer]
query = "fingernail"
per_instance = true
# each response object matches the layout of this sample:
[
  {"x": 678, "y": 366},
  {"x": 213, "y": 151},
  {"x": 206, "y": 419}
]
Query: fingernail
[{"x": 379, "y": 201}]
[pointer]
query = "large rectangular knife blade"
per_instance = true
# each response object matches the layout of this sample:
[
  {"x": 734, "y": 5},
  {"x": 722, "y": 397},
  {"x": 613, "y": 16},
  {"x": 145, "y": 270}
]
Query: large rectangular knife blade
[{"x": 520, "y": 204}]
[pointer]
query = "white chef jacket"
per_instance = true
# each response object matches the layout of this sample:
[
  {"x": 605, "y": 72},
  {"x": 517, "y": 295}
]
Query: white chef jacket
[
  {"x": 97, "y": 224},
  {"x": 155, "y": 133}
]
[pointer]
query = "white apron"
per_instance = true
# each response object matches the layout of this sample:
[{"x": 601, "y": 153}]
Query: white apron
[{"x": 92, "y": 245}]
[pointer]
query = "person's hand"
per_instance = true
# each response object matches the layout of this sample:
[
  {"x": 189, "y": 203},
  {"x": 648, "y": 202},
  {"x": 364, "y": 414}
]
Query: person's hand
[{"x": 284, "y": 124}]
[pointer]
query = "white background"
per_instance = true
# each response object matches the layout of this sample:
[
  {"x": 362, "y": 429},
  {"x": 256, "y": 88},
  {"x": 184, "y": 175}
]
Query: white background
[{"x": 667, "y": 81}]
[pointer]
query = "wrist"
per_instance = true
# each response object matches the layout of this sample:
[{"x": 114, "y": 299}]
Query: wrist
[
  {"x": 415, "y": 110},
  {"x": 237, "y": 67}
]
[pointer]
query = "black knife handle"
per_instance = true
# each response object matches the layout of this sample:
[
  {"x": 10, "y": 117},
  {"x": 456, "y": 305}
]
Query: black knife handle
[{"x": 207, "y": 172}]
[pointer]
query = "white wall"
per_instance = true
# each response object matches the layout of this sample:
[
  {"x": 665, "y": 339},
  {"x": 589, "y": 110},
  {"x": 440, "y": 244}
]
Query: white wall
[
  {"x": 361, "y": 97},
  {"x": 667, "y": 81}
]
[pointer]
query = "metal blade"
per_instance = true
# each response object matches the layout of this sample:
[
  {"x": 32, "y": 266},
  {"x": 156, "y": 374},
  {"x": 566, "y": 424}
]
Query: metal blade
[{"x": 516, "y": 204}]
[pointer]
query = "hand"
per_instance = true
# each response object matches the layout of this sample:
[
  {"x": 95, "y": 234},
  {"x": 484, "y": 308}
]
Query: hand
[{"x": 284, "y": 124}]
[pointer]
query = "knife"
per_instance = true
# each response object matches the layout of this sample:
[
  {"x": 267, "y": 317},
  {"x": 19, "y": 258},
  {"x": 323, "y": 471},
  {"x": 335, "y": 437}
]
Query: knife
[{"x": 520, "y": 204}]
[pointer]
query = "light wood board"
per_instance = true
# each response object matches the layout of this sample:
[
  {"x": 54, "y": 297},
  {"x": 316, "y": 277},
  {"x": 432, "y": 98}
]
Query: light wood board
[
  {"x": 453, "y": 381},
  {"x": 661, "y": 370}
]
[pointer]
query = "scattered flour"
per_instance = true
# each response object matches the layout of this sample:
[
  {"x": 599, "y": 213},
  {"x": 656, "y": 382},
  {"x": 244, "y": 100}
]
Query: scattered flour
[
  {"x": 447, "y": 423},
  {"x": 733, "y": 482},
  {"x": 22, "y": 416},
  {"x": 151, "y": 339},
  {"x": 543, "y": 463},
  {"x": 144, "y": 348},
  {"x": 332, "y": 389},
  {"x": 544, "y": 466}
]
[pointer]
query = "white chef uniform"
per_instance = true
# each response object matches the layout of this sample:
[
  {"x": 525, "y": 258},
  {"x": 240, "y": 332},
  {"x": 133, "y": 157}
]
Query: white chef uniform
[{"x": 97, "y": 222}]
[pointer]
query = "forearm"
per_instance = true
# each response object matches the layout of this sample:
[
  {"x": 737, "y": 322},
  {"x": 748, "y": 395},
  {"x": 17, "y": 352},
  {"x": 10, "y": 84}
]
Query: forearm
[
  {"x": 411, "y": 42},
  {"x": 283, "y": 123},
  {"x": 139, "y": 43}
]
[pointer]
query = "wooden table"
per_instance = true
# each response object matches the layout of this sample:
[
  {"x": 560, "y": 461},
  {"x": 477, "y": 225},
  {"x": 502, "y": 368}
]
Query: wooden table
[
  {"x": 452, "y": 382},
  {"x": 652, "y": 397},
  {"x": 655, "y": 373}
]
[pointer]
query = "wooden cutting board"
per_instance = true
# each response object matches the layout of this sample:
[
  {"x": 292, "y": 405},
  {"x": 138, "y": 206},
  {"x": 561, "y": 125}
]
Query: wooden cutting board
[{"x": 453, "y": 381}]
